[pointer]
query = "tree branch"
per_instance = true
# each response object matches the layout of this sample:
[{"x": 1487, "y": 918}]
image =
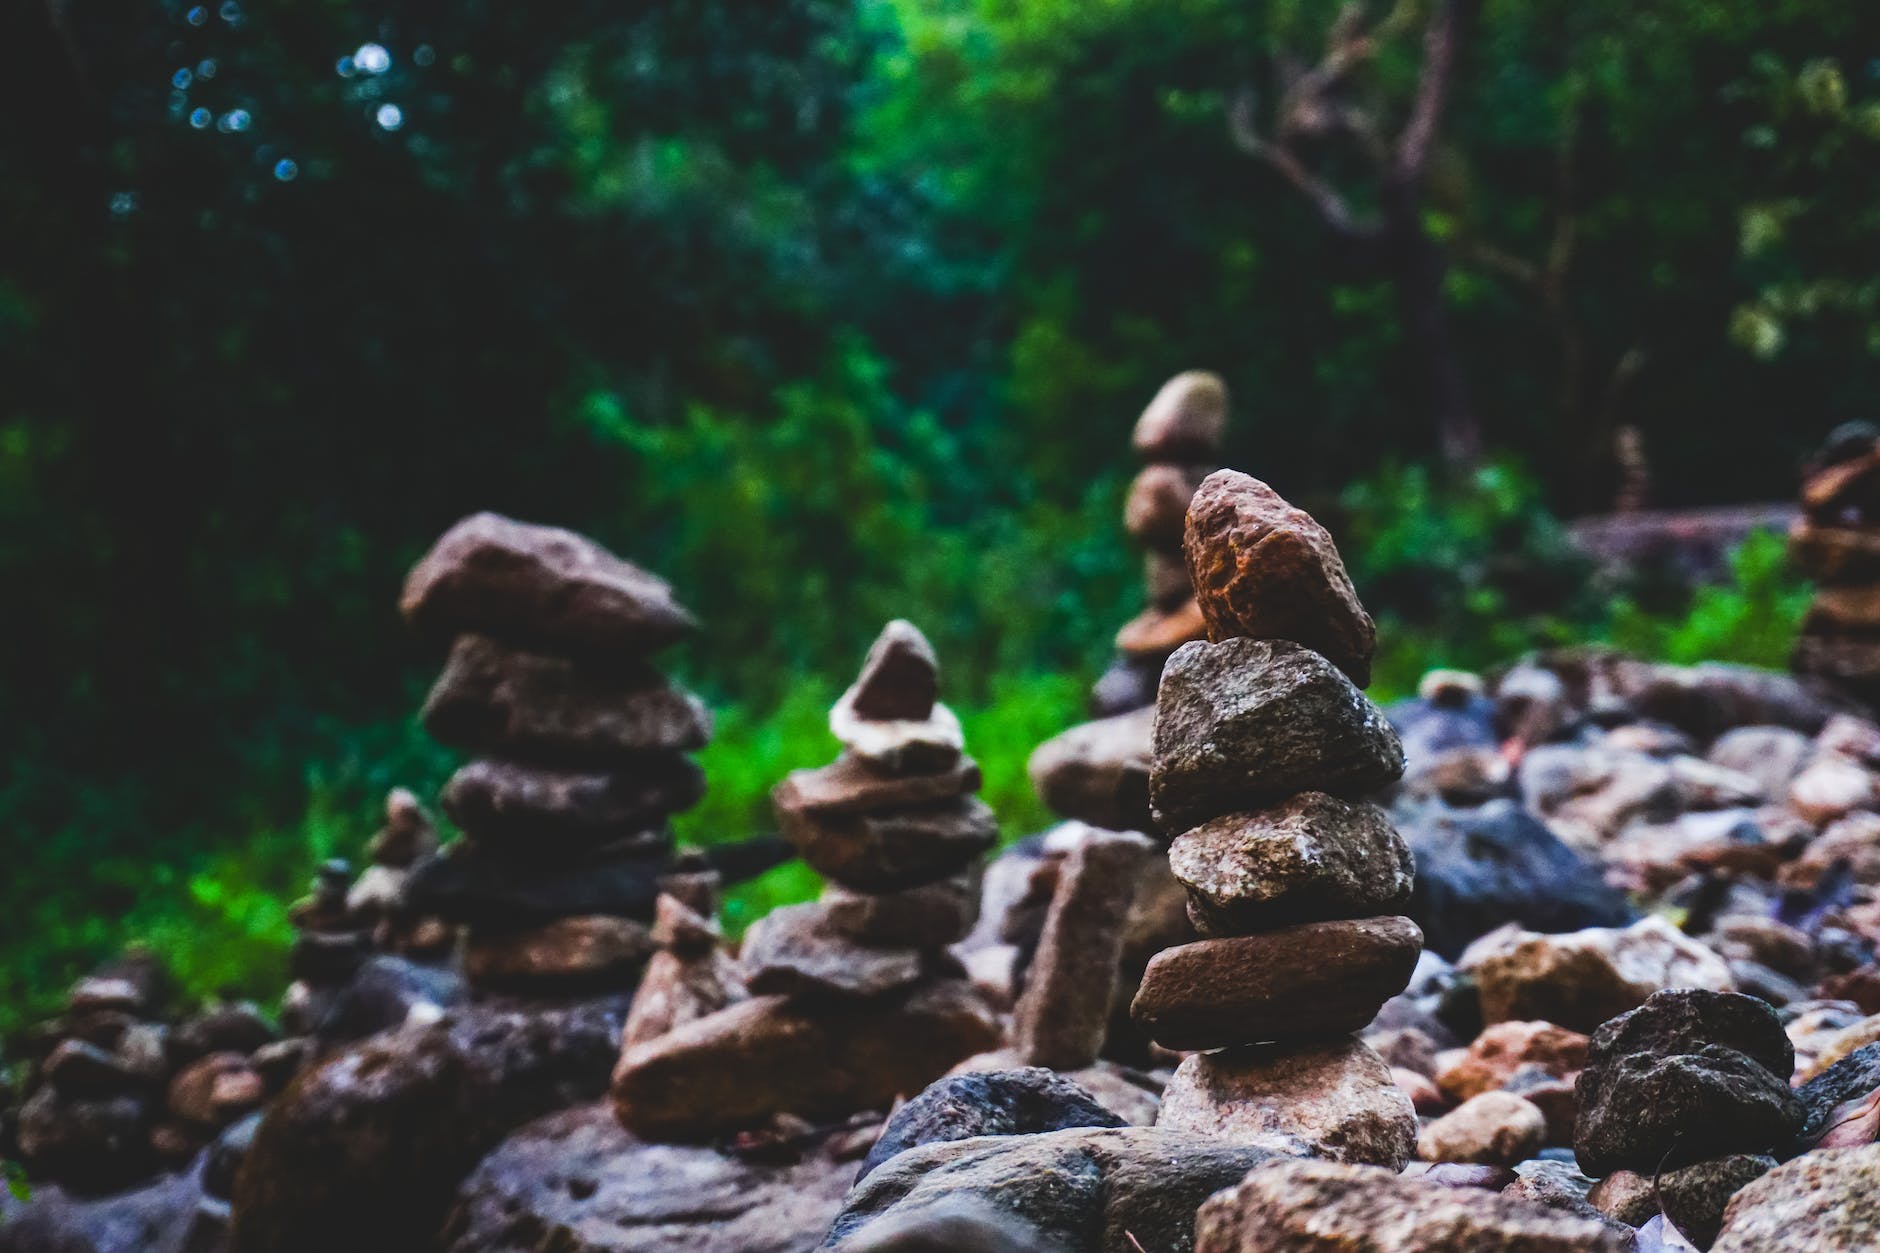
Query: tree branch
[
  {"x": 1443, "y": 43},
  {"x": 1331, "y": 206}
]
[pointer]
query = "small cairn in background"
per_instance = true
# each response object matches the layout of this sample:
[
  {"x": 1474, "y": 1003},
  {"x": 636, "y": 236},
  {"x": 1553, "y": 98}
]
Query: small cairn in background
[
  {"x": 691, "y": 975},
  {"x": 1836, "y": 542},
  {"x": 377, "y": 897},
  {"x": 856, "y": 999},
  {"x": 331, "y": 943},
  {"x": 1265, "y": 752},
  {"x": 1178, "y": 439},
  {"x": 581, "y": 753}
]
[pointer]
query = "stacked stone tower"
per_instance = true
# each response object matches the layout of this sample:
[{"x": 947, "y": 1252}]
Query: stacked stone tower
[
  {"x": 581, "y": 753},
  {"x": 855, "y": 998},
  {"x": 1265, "y": 751},
  {"x": 1836, "y": 542},
  {"x": 331, "y": 942},
  {"x": 1178, "y": 439}
]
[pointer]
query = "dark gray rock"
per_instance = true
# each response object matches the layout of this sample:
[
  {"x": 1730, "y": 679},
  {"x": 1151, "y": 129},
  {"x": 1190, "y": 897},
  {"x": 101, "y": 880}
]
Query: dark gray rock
[
  {"x": 465, "y": 883},
  {"x": 1480, "y": 868},
  {"x": 543, "y": 809},
  {"x": 1000, "y": 1103},
  {"x": 1088, "y": 1189},
  {"x": 1849, "y": 1079},
  {"x": 1683, "y": 1020},
  {"x": 1430, "y": 728},
  {"x": 157, "y": 1217},
  {"x": 383, "y": 994},
  {"x": 1246, "y": 722},
  {"x": 365, "y": 1152},
  {"x": 1646, "y": 1113},
  {"x": 1694, "y": 1197}
]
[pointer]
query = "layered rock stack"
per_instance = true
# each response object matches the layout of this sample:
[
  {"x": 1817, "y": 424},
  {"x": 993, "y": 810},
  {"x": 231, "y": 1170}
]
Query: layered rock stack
[
  {"x": 1691, "y": 1089},
  {"x": 581, "y": 753},
  {"x": 1265, "y": 751},
  {"x": 691, "y": 975},
  {"x": 1178, "y": 439},
  {"x": 856, "y": 1000},
  {"x": 377, "y": 897},
  {"x": 1836, "y": 542},
  {"x": 331, "y": 942}
]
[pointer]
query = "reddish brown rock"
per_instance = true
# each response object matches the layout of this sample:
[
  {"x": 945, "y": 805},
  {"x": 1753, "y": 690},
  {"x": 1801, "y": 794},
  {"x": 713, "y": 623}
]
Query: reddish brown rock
[
  {"x": 850, "y": 785},
  {"x": 1263, "y": 569},
  {"x": 931, "y": 915},
  {"x": 892, "y": 849},
  {"x": 1492, "y": 1059},
  {"x": 1159, "y": 632},
  {"x": 689, "y": 978},
  {"x": 587, "y": 951},
  {"x": 1157, "y": 506},
  {"x": 1492, "y": 1129},
  {"x": 1582, "y": 978},
  {"x": 900, "y": 678},
  {"x": 1312, "y": 979},
  {"x": 766, "y": 1056},
  {"x": 539, "y": 587},
  {"x": 1333, "y": 1099},
  {"x": 793, "y": 951}
]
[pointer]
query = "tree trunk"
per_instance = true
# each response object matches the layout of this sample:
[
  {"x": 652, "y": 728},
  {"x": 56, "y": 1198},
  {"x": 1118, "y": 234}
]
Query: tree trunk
[{"x": 1418, "y": 268}]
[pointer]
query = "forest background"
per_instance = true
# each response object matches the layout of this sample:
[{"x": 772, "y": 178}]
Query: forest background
[{"x": 836, "y": 311}]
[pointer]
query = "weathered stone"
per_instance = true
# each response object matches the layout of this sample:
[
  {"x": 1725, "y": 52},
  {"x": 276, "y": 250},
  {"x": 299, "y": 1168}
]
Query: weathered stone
[
  {"x": 1312, "y": 979},
  {"x": 578, "y": 1182},
  {"x": 930, "y": 915},
  {"x": 215, "y": 1090},
  {"x": 956, "y": 1226},
  {"x": 1849, "y": 1079},
  {"x": 1504, "y": 1048},
  {"x": 386, "y": 992},
  {"x": 1832, "y": 787},
  {"x": 100, "y": 1144},
  {"x": 1098, "y": 772},
  {"x": 1186, "y": 420},
  {"x": 683, "y": 982},
  {"x": 505, "y": 702},
  {"x": 770, "y": 1055},
  {"x": 1327, "y": 1207},
  {"x": 1309, "y": 857},
  {"x": 158, "y": 1216},
  {"x": 1246, "y": 722},
  {"x": 1581, "y": 979},
  {"x": 587, "y": 953},
  {"x": 900, "y": 678},
  {"x": 1333, "y": 1099},
  {"x": 365, "y": 1152},
  {"x": 1064, "y": 1014},
  {"x": 514, "y": 805},
  {"x": 1684, "y": 1019},
  {"x": 79, "y": 1068},
  {"x": 466, "y": 883},
  {"x": 888, "y": 850},
  {"x": 1155, "y": 632},
  {"x": 793, "y": 951},
  {"x": 1694, "y": 1197},
  {"x": 850, "y": 785},
  {"x": 1625, "y": 1195},
  {"x": 1084, "y": 1189},
  {"x": 1479, "y": 869},
  {"x": 407, "y": 834},
  {"x": 1555, "y": 1096},
  {"x": 1003, "y": 1103},
  {"x": 539, "y": 587},
  {"x": 1646, "y": 1112},
  {"x": 1772, "y": 756},
  {"x": 1264, "y": 569},
  {"x": 1157, "y": 505},
  {"x": 1492, "y": 1128},
  {"x": 1824, "y": 1202}
]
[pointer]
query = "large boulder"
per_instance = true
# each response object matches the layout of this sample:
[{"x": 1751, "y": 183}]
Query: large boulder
[
  {"x": 365, "y": 1152},
  {"x": 578, "y": 1182},
  {"x": 1088, "y": 1189},
  {"x": 1478, "y": 869}
]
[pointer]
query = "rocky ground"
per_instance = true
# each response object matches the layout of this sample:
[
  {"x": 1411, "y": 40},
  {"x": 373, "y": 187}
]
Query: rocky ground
[{"x": 1578, "y": 955}]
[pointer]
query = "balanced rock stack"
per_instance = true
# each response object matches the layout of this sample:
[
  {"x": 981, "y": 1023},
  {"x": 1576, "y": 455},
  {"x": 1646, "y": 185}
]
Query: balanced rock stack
[
  {"x": 1265, "y": 750},
  {"x": 1836, "y": 542},
  {"x": 1178, "y": 438},
  {"x": 377, "y": 898},
  {"x": 856, "y": 999},
  {"x": 331, "y": 942},
  {"x": 581, "y": 753},
  {"x": 1691, "y": 1089}
]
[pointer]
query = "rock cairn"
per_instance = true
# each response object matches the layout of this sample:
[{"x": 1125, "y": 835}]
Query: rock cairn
[
  {"x": 1178, "y": 439},
  {"x": 581, "y": 753},
  {"x": 691, "y": 975},
  {"x": 331, "y": 943},
  {"x": 1692, "y": 1089},
  {"x": 377, "y": 896},
  {"x": 856, "y": 999},
  {"x": 1264, "y": 752},
  {"x": 1836, "y": 542}
]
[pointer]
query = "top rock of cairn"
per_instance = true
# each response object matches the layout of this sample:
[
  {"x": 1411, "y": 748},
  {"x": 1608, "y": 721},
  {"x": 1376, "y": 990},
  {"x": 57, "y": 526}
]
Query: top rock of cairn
[
  {"x": 539, "y": 587},
  {"x": 1186, "y": 421},
  {"x": 1263, "y": 569},
  {"x": 891, "y": 717}
]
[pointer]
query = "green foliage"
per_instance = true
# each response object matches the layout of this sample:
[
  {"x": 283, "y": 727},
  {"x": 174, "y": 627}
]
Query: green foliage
[{"x": 1753, "y": 619}]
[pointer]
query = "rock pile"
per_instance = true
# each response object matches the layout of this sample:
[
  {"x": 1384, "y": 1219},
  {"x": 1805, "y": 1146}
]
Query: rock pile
[
  {"x": 1178, "y": 439},
  {"x": 1836, "y": 542},
  {"x": 581, "y": 753},
  {"x": 856, "y": 999},
  {"x": 1691, "y": 1087},
  {"x": 118, "y": 1092},
  {"x": 331, "y": 943},
  {"x": 1264, "y": 752},
  {"x": 377, "y": 897}
]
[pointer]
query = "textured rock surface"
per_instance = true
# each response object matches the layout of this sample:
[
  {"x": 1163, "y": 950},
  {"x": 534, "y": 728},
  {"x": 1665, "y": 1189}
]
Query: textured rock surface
[
  {"x": 1694, "y": 1197},
  {"x": 1088, "y": 1190},
  {"x": 793, "y": 951},
  {"x": 365, "y": 1152},
  {"x": 1263, "y": 569},
  {"x": 576, "y": 1182},
  {"x": 1001, "y": 1103},
  {"x": 737, "y": 1068},
  {"x": 1245, "y": 723},
  {"x": 887, "y": 850},
  {"x": 541, "y": 587},
  {"x": 1644, "y": 1112},
  {"x": 1308, "y": 858},
  {"x": 1315, "y": 978},
  {"x": 1581, "y": 979},
  {"x": 1492, "y": 1129},
  {"x": 851, "y": 784},
  {"x": 1333, "y": 1099},
  {"x": 1505, "y": 1048},
  {"x": 593, "y": 952},
  {"x": 1325, "y": 1207},
  {"x": 537, "y": 808},
  {"x": 1824, "y": 1202}
]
